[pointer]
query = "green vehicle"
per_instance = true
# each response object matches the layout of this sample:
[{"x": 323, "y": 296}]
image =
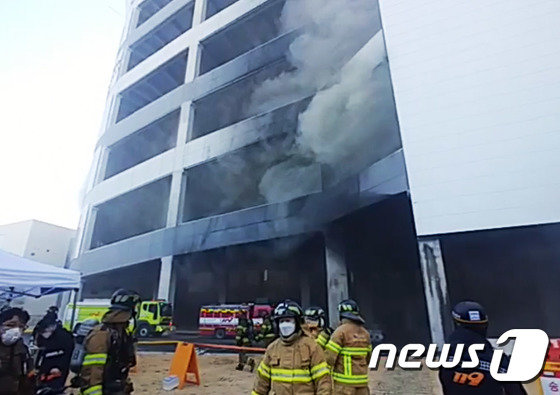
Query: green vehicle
[{"x": 154, "y": 317}]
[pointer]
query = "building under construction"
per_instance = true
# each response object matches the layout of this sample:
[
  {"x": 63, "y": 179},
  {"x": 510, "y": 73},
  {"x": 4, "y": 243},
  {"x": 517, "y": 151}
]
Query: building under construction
[{"x": 252, "y": 152}]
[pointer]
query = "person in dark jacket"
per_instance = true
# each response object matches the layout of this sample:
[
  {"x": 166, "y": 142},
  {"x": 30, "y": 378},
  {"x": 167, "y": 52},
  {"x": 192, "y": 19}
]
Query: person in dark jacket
[
  {"x": 16, "y": 365},
  {"x": 55, "y": 350},
  {"x": 243, "y": 338},
  {"x": 471, "y": 326}
]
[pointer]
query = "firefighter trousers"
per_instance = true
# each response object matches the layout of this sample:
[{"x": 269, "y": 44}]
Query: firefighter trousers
[
  {"x": 343, "y": 389},
  {"x": 244, "y": 359}
]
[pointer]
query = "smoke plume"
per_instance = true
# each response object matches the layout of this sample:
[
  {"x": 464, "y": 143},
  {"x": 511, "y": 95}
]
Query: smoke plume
[{"x": 330, "y": 57}]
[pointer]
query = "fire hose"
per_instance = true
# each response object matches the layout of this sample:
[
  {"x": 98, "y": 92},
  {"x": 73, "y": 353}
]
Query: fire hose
[{"x": 203, "y": 345}]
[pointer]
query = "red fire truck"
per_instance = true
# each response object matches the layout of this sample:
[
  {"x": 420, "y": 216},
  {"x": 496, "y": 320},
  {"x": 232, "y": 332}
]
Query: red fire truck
[
  {"x": 550, "y": 379},
  {"x": 220, "y": 321}
]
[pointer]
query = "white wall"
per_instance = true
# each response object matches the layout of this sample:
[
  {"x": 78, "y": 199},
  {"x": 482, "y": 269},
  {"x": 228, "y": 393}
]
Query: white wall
[
  {"x": 42, "y": 242},
  {"x": 13, "y": 237},
  {"x": 48, "y": 243},
  {"x": 477, "y": 88}
]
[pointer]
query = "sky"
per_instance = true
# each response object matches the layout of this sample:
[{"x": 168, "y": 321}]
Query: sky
[{"x": 56, "y": 62}]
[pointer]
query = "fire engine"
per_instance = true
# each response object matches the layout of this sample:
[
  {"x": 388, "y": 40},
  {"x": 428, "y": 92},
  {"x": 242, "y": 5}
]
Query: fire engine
[{"x": 220, "y": 321}]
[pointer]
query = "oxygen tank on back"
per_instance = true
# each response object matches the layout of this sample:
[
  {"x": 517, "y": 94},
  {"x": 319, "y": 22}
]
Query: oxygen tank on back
[{"x": 80, "y": 348}]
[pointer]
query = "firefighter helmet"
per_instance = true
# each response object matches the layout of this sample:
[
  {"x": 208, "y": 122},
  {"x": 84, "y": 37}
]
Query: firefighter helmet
[
  {"x": 315, "y": 313},
  {"x": 123, "y": 299},
  {"x": 349, "y": 309},
  {"x": 288, "y": 309}
]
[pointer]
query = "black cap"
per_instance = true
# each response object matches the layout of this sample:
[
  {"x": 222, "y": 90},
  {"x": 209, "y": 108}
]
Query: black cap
[{"x": 470, "y": 313}]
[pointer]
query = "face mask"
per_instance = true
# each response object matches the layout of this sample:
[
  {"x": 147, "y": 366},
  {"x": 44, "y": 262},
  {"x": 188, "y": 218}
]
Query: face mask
[
  {"x": 46, "y": 334},
  {"x": 287, "y": 328},
  {"x": 11, "y": 336}
]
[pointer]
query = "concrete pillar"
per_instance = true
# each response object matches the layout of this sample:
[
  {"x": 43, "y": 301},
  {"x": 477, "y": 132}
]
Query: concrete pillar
[
  {"x": 305, "y": 290},
  {"x": 435, "y": 288},
  {"x": 174, "y": 206},
  {"x": 174, "y": 209},
  {"x": 165, "y": 279},
  {"x": 221, "y": 282},
  {"x": 199, "y": 11},
  {"x": 337, "y": 276},
  {"x": 101, "y": 166},
  {"x": 88, "y": 229},
  {"x": 193, "y": 62}
]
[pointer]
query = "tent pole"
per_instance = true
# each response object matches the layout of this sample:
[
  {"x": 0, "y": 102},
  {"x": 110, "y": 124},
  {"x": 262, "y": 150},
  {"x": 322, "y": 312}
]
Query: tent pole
[{"x": 75, "y": 303}]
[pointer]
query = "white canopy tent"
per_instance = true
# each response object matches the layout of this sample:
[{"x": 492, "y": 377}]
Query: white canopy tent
[{"x": 24, "y": 277}]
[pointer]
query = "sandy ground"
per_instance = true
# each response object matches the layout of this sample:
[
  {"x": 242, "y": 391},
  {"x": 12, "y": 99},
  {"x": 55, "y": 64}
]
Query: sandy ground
[{"x": 218, "y": 376}]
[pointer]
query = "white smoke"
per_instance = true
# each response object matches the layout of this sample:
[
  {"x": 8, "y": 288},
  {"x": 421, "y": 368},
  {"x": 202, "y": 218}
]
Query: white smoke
[
  {"x": 338, "y": 126},
  {"x": 332, "y": 31},
  {"x": 297, "y": 175},
  {"x": 335, "y": 56}
]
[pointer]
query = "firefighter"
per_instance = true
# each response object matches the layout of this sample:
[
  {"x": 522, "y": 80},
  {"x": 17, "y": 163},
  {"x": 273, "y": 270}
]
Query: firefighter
[
  {"x": 243, "y": 337},
  {"x": 471, "y": 325},
  {"x": 266, "y": 332},
  {"x": 293, "y": 363},
  {"x": 348, "y": 351},
  {"x": 16, "y": 365},
  {"x": 55, "y": 350},
  {"x": 316, "y": 325},
  {"x": 110, "y": 350}
]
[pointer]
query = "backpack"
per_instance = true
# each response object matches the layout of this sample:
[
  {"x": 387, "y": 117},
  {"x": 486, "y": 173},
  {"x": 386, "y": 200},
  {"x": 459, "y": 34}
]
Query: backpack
[{"x": 80, "y": 335}]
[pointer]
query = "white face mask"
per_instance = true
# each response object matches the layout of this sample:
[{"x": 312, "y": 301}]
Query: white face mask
[
  {"x": 46, "y": 334},
  {"x": 11, "y": 336},
  {"x": 287, "y": 328}
]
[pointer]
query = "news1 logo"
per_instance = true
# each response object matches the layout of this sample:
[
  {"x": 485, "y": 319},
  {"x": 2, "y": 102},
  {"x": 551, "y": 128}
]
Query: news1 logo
[{"x": 525, "y": 364}]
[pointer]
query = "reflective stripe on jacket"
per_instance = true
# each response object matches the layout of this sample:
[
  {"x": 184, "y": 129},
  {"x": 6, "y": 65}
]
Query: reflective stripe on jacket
[{"x": 323, "y": 339}]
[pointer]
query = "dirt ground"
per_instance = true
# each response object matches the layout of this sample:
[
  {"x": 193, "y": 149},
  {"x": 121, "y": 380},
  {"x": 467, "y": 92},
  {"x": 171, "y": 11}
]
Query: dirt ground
[{"x": 218, "y": 376}]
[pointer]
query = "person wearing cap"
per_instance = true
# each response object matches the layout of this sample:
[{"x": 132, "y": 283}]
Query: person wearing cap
[
  {"x": 315, "y": 325},
  {"x": 55, "y": 350},
  {"x": 16, "y": 365},
  {"x": 471, "y": 326},
  {"x": 293, "y": 363},
  {"x": 110, "y": 349},
  {"x": 349, "y": 350}
]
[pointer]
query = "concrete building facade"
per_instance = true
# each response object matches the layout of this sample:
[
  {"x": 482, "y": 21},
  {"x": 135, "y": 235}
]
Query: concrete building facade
[
  {"x": 175, "y": 206},
  {"x": 41, "y": 242}
]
